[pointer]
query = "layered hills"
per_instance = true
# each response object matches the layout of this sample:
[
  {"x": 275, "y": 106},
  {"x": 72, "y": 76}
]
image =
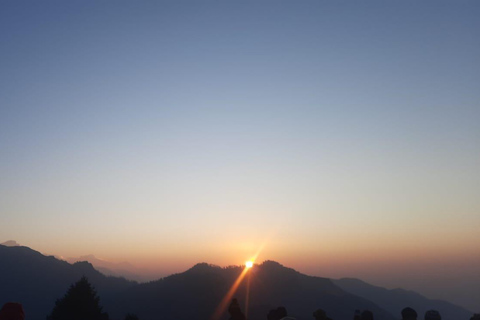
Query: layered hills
[{"x": 36, "y": 281}]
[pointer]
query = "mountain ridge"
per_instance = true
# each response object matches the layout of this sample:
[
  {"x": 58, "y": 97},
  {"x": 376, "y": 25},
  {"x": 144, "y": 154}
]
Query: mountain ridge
[{"x": 201, "y": 288}]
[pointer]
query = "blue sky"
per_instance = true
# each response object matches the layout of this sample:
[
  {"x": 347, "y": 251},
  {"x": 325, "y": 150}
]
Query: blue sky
[{"x": 174, "y": 126}]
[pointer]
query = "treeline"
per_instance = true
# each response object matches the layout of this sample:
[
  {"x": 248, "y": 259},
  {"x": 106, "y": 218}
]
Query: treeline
[
  {"x": 281, "y": 313},
  {"x": 81, "y": 302}
]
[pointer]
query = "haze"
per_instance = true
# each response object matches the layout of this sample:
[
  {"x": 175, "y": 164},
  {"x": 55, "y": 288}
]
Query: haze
[{"x": 341, "y": 138}]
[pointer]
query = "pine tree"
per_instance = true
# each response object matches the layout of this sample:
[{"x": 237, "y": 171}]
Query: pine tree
[{"x": 79, "y": 303}]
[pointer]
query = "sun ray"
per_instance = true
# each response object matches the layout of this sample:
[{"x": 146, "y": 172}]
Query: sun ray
[
  {"x": 247, "y": 295},
  {"x": 229, "y": 295},
  {"x": 226, "y": 299}
]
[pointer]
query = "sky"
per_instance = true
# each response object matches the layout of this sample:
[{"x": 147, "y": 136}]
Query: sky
[{"x": 341, "y": 138}]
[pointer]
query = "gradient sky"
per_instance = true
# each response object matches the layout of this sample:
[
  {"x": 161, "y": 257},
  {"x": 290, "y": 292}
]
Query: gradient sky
[{"x": 343, "y": 136}]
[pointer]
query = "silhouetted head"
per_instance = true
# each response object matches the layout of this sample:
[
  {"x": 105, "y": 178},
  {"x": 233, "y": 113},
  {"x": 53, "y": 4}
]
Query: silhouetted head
[
  {"x": 432, "y": 315},
  {"x": 234, "y": 306},
  {"x": 409, "y": 314},
  {"x": 320, "y": 315},
  {"x": 357, "y": 315},
  {"x": 476, "y": 316},
  {"x": 367, "y": 315},
  {"x": 12, "y": 311},
  {"x": 282, "y": 312},
  {"x": 272, "y": 315}
]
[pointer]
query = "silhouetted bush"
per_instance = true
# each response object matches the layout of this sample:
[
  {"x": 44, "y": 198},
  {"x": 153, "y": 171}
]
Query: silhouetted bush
[
  {"x": 476, "y": 316},
  {"x": 277, "y": 314},
  {"x": 409, "y": 314}
]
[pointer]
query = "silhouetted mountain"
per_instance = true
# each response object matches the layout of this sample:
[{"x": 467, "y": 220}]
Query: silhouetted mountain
[
  {"x": 196, "y": 293},
  {"x": 37, "y": 281},
  {"x": 395, "y": 300}
]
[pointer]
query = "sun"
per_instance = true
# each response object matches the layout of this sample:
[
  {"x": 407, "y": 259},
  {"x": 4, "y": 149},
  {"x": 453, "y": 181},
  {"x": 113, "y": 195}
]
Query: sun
[{"x": 249, "y": 264}]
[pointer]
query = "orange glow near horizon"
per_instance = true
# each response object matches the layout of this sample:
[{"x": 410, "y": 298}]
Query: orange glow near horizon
[{"x": 228, "y": 296}]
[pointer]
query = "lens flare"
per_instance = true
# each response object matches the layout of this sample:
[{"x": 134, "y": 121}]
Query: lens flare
[{"x": 222, "y": 307}]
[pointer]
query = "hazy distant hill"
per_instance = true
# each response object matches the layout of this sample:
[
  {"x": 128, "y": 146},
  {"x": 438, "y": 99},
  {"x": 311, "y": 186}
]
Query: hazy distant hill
[
  {"x": 37, "y": 281},
  {"x": 396, "y": 299},
  {"x": 10, "y": 243},
  {"x": 122, "y": 269}
]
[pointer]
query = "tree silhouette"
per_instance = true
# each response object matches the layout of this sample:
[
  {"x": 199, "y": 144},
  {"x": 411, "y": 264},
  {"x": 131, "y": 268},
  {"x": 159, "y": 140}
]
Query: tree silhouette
[
  {"x": 79, "y": 303},
  {"x": 234, "y": 310}
]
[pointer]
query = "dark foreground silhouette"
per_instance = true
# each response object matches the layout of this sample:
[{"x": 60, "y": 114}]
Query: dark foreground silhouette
[
  {"x": 320, "y": 314},
  {"x": 277, "y": 314},
  {"x": 235, "y": 311},
  {"x": 12, "y": 311},
  {"x": 409, "y": 314},
  {"x": 81, "y": 302},
  {"x": 37, "y": 281}
]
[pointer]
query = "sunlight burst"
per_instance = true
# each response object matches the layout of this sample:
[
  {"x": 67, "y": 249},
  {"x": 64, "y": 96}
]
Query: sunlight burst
[{"x": 249, "y": 264}]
